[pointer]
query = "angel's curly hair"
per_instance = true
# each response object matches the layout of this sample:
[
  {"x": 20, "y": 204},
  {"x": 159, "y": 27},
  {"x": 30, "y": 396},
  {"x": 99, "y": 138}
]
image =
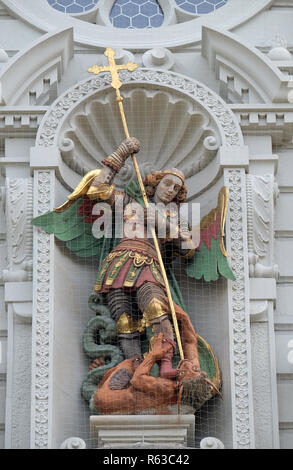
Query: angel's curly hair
[{"x": 152, "y": 180}]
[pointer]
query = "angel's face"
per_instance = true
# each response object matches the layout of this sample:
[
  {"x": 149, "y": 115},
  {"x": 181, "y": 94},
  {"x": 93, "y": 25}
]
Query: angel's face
[{"x": 167, "y": 189}]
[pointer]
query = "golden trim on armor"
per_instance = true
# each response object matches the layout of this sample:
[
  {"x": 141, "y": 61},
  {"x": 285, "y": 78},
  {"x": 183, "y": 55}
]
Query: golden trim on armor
[
  {"x": 175, "y": 173},
  {"x": 132, "y": 276},
  {"x": 140, "y": 246},
  {"x": 100, "y": 191},
  {"x": 155, "y": 309},
  {"x": 216, "y": 380},
  {"x": 129, "y": 283},
  {"x": 105, "y": 265},
  {"x": 156, "y": 273},
  {"x": 139, "y": 259},
  {"x": 113, "y": 255},
  {"x": 126, "y": 324},
  {"x": 102, "y": 273},
  {"x": 80, "y": 190},
  {"x": 116, "y": 268}
]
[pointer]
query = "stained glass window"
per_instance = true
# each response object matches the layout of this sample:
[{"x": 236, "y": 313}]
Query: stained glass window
[
  {"x": 200, "y": 7},
  {"x": 136, "y": 14},
  {"x": 73, "y": 6}
]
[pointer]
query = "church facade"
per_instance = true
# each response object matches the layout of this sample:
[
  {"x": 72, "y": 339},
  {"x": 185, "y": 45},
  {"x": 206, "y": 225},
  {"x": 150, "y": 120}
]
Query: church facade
[{"x": 212, "y": 96}]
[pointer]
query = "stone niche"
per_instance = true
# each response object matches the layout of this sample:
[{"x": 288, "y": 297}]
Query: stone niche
[{"x": 180, "y": 123}]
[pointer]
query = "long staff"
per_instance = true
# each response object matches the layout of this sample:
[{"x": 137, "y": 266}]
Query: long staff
[{"x": 113, "y": 68}]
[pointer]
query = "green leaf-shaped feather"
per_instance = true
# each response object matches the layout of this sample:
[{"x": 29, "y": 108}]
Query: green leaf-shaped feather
[{"x": 209, "y": 263}]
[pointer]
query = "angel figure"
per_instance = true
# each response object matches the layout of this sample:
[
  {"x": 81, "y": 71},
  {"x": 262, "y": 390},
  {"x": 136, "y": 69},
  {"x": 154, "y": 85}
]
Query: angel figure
[{"x": 130, "y": 279}]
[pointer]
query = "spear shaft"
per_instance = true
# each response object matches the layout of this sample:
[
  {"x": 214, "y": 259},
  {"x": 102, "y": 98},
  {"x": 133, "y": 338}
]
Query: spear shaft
[{"x": 116, "y": 84}]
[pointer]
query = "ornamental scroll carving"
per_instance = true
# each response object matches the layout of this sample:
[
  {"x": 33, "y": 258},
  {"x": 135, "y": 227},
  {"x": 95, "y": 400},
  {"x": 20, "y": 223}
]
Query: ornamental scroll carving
[
  {"x": 19, "y": 212},
  {"x": 260, "y": 216}
]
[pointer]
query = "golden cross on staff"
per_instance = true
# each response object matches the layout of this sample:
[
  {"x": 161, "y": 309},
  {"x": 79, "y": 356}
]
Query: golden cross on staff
[{"x": 113, "y": 68}]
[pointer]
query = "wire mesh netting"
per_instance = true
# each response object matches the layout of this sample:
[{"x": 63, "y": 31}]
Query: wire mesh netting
[{"x": 110, "y": 303}]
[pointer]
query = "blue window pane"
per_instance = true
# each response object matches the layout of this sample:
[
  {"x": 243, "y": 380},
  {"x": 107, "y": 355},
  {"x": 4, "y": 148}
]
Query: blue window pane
[
  {"x": 190, "y": 2},
  {"x": 200, "y": 7},
  {"x": 65, "y": 3},
  {"x": 189, "y": 7},
  {"x": 140, "y": 21},
  {"x": 130, "y": 10},
  {"x": 204, "y": 8},
  {"x": 59, "y": 7},
  {"x": 136, "y": 14},
  {"x": 121, "y": 22},
  {"x": 74, "y": 9},
  {"x": 156, "y": 21},
  {"x": 73, "y": 6},
  {"x": 219, "y": 5},
  {"x": 149, "y": 9},
  {"x": 116, "y": 10},
  {"x": 84, "y": 3}
]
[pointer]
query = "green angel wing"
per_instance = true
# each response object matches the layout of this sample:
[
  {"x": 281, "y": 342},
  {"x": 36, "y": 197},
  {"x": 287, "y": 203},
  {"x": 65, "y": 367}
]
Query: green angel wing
[
  {"x": 211, "y": 259},
  {"x": 73, "y": 226}
]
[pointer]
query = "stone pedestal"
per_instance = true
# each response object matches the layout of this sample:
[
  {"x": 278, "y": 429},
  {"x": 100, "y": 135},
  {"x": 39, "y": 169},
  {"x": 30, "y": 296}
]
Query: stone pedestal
[{"x": 142, "y": 431}]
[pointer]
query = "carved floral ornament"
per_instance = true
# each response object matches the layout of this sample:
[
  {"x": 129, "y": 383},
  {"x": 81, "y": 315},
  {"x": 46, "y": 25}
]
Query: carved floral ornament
[
  {"x": 176, "y": 119},
  {"x": 240, "y": 344}
]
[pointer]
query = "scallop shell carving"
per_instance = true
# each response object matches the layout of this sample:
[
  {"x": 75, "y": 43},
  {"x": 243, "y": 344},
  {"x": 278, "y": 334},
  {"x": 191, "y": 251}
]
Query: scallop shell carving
[{"x": 173, "y": 131}]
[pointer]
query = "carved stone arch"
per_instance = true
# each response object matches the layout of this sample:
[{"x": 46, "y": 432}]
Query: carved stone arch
[{"x": 177, "y": 119}]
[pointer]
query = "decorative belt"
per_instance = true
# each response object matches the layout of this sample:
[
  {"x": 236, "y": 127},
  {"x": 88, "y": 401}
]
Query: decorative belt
[
  {"x": 140, "y": 252},
  {"x": 136, "y": 246}
]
